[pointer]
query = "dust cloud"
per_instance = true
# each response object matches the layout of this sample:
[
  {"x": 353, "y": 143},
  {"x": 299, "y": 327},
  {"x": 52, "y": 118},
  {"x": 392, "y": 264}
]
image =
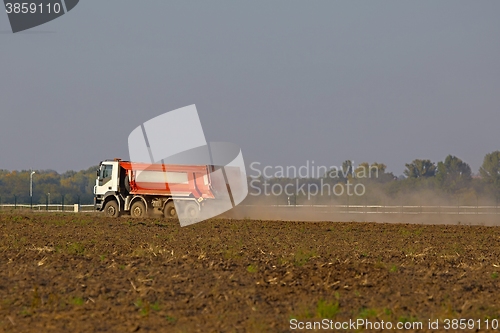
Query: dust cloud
[{"x": 415, "y": 207}]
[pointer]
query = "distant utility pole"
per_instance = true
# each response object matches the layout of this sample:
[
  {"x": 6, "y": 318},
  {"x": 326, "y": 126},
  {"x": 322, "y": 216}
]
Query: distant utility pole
[{"x": 31, "y": 188}]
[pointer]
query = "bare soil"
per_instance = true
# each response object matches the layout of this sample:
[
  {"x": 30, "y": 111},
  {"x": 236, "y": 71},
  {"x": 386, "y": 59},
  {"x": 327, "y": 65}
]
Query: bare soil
[{"x": 88, "y": 273}]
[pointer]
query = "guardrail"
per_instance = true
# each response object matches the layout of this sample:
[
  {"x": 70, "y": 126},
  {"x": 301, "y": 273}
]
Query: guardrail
[
  {"x": 408, "y": 210},
  {"x": 342, "y": 209},
  {"x": 49, "y": 208}
]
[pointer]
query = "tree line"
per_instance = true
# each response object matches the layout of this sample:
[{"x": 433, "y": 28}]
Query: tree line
[
  {"x": 448, "y": 182},
  {"x": 49, "y": 186},
  {"x": 424, "y": 182}
]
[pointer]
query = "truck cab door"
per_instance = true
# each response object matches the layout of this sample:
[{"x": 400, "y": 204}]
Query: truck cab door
[{"x": 107, "y": 180}]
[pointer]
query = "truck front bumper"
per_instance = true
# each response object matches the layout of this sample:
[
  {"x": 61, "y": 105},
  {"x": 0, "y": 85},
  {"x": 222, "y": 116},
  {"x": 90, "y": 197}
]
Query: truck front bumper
[{"x": 98, "y": 204}]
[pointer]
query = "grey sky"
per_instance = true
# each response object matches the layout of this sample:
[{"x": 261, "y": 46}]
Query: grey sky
[{"x": 288, "y": 81}]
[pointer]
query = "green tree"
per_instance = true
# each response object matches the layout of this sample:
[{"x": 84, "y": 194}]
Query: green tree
[
  {"x": 374, "y": 172},
  {"x": 453, "y": 174},
  {"x": 490, "y": 172},
  {"x": 420, "y": 169},
  {"x": 347, "y": 168}
]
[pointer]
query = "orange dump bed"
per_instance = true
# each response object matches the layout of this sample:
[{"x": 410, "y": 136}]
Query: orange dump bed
[{"x": 169, "y": 179}]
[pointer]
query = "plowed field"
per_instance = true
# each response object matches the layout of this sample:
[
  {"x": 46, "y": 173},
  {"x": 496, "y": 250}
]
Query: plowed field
[{"x": 87, "y": 273}]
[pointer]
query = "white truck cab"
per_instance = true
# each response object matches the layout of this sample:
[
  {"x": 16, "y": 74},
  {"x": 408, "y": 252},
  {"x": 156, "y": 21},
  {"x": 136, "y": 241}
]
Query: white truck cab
[{"x": 107, "y": 181}]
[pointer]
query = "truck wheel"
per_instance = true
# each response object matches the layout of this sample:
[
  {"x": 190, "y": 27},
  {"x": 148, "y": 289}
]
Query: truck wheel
[
  {"x": 111, "y": 209},
  {"x": 138, "y": 209},
  {"x": 126, "y": 184},
  {"x": 169, "y": 211},
  {"x": 191, "y": 210}
]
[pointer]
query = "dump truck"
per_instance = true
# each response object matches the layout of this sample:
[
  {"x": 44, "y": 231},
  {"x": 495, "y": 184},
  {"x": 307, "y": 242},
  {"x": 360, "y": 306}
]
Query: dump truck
[{"x": 142, "y": 189}]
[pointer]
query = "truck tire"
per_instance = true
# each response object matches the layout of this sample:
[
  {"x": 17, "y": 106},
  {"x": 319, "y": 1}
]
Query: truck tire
[
  {"x": 138, "y": 209},
  {"x": 126, "y": 184},
  {"x": 111, "y": 209},
  {"x": 191, "y": 210},
  {"x": 169, "y": 211}
]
